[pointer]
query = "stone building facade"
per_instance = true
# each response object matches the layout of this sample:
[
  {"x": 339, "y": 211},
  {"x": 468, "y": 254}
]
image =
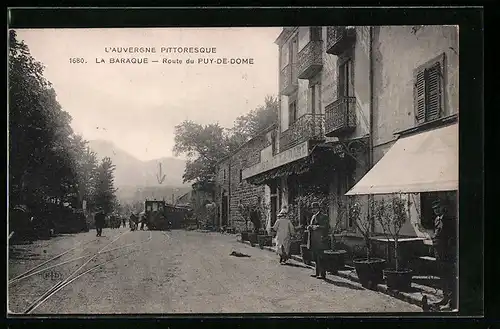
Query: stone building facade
[
  {"x": 347, "y": 94},
  {"x": 232, "y": 189}
]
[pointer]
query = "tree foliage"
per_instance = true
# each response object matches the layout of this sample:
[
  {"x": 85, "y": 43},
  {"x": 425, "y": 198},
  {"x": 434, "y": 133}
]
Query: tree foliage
[
  {"x": 48, "y": 162},
  {"x": 205, "y": 145},
  {"x": 105, "y": 198}
]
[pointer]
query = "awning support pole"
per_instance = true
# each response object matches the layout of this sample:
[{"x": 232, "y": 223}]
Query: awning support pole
[{"x": 370, "y": 141}]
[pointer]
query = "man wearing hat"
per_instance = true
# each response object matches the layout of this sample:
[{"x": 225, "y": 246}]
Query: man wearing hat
[
  {"x": 445, "y": 249},
  {"x": 317, "y": 240},
  {"x": 99, "y": 221}
]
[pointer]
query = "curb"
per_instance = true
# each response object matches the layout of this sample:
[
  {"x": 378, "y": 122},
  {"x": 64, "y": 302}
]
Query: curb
[{"x": 382, "y": 288}]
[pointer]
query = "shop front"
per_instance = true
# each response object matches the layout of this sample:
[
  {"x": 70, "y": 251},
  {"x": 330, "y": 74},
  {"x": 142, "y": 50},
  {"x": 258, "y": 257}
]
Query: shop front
[{"x": 421, "y": 167}]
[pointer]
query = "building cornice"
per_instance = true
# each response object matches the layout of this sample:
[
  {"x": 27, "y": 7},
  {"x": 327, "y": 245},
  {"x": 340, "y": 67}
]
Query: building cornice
[{"x": 285, "y": 35}]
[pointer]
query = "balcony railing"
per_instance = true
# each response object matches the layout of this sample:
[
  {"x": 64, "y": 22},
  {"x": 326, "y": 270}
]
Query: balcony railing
[
  {"x": 307, "y": 127},
  {"x": 310, "y": 60},
  {"x": 340, "y": 116},
  {"x": 288, "y": 79},
  {"x": 338, "y": 39}
]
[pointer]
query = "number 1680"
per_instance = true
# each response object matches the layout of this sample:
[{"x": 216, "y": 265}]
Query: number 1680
[{"x": 76, "y": 60}]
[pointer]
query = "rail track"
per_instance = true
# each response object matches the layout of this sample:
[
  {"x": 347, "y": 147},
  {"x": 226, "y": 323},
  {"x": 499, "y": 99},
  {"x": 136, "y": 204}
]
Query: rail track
[{"x": 79, "y": 272}]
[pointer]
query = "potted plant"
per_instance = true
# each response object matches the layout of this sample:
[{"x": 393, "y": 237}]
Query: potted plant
[
  {"x": 259, "y": 212},
  {"x": 368, "y": 269},
  {"x": 244, "y": 211},
  {"x": 334, "y": 257},
  {"x": 392, "y": 215}
]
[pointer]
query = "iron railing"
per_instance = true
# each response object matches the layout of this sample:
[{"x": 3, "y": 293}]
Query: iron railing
[
  {"x": 338, "y": 39},
  {"x": 340, "y": 116},
  {"x": 307, "y": 127},
  {"x": 310, "y": 60}
]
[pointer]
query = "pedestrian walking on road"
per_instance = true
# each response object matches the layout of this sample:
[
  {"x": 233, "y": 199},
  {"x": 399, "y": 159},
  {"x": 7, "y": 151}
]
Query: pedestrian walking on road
[
  {"x": 445, "y": 248},
  {"x": 124, "y": 221},
  {"x": 99, "y": 222},
  {"x": 317, "y": 241},
  {"x": 284, "y": 230},
  {"x": 133, "y": 222}
]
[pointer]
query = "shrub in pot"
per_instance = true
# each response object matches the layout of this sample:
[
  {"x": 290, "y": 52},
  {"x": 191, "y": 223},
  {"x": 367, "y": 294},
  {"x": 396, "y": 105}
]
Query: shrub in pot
[
  {"x": 392, "y": 214},
  {"x": 368, "y": 269},
  {"x": 335, "y": 257},
  {"x": 296, "y": 241},
  {"x": 247, "y": 235}
]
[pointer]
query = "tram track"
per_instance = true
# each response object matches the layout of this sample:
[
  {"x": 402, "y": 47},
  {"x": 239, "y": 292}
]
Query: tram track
[{"x": 79, "y": 272}]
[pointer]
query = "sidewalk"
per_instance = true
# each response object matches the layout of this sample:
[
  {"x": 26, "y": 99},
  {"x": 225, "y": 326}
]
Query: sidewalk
[{"x": 415, "y": 297}]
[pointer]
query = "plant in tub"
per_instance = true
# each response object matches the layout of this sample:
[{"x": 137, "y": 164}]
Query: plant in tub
[
  {"x": 368, "y": 269},
  {"x": 392, "y": 214}
]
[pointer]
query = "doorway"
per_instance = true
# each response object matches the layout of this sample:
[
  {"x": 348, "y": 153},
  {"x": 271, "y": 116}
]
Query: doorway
[
  {"x": 274, "y": 203},
  {"x": 225, "y": 209}
]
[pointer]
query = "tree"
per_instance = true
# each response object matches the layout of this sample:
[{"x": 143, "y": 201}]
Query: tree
[
  {"x": 252, "y": 123},
  {"x": 105, "y": 197},
  {"x": 249, "y": 125},
  {"x": 207, "y": 145},
  {"x": 392, "y": 214},
  {"x": 41, "y": 166}
]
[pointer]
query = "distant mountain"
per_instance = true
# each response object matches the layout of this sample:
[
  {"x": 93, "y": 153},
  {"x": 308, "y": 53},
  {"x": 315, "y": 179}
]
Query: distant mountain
[{"x": 134, "y": 176}]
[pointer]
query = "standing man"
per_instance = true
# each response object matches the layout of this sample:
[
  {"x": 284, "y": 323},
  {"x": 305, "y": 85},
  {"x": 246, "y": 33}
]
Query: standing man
[
  {"x": 444, "y": 242},
  {"x": 124, "y": 220},
  {"x": 317, "y": 241},
  {"x": 99, "y": 221}
]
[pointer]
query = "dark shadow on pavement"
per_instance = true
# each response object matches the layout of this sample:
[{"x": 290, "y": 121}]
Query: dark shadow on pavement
[
  {"x": 19, "y": 254},
  {"x": 343, "y": 284},
  {"x": 295, "y": 265}
]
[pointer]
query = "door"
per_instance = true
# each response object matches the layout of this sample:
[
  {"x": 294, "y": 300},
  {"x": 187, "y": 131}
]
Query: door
[
  {"x": 274, "y": 203},
  {"x": 225, "y": 208}
]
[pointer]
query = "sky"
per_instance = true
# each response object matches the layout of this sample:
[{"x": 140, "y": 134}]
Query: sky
[{"x": 137, "y": 106}]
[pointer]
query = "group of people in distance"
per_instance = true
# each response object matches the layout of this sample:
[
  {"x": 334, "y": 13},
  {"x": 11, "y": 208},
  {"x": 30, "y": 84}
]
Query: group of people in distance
[
  {"x": 135, "y": 221},
  {"x": 443, "y": 238}
]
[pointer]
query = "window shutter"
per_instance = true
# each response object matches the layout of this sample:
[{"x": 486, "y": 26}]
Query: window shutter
[
  {"x": 433, "y": 91},
  {"x": 419, "y": 96}
]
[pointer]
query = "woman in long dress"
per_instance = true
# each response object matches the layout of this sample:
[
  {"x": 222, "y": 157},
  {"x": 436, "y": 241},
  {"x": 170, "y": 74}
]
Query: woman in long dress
[{"x": 284, "y": 230}]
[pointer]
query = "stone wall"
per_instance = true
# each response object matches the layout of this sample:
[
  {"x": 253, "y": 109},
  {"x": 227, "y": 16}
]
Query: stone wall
[{"x": 239, "y": 190}]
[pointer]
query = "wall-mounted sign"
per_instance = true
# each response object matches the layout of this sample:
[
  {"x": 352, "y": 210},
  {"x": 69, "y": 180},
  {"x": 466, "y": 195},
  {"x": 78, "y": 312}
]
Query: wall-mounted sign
[{"x": 293, "y": 154}]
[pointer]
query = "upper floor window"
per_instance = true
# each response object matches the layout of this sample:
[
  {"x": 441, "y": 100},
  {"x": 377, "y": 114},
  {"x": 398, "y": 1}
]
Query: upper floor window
[
  {"x": 346, "y": 77},
  {"x": 428, "y": 90},
  {"x": 293, "y": 49},
  {"x": 292, "y": 112},
  {"x": 315, "y": 33},
  {"x": 314, "y": 95},
  {"x": 241, "y": 175},
  {"x": 273, "y": 143}
]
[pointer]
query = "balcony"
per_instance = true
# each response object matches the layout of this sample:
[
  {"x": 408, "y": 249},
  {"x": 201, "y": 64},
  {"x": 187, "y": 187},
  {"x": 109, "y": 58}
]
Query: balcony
[
  {"x": 310, "y": 60},
  {"x": 307, "y": 127},
  {"x": 338, "y": 39},
  {"x": 340, "y": 116},
  {"x": 288, "y": 79}
]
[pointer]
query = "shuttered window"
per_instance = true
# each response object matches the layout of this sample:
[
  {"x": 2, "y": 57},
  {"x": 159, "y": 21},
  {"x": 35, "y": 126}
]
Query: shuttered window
[{"x": 428, "y": 91}]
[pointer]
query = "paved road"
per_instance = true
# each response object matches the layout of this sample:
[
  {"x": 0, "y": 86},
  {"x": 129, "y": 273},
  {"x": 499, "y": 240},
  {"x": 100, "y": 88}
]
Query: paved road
[{"x": 179, "y": 271}]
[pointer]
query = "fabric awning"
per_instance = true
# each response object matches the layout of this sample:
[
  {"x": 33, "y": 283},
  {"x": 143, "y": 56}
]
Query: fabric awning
[{"x": 424, "y": 162}]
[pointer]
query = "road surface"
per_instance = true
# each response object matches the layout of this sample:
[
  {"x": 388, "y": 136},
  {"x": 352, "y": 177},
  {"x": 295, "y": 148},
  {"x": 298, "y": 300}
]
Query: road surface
[{"x": 175, "y": 272}]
